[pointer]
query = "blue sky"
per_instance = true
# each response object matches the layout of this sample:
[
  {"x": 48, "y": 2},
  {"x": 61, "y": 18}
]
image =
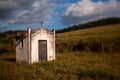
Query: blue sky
[{"x": 56, "y": 14}]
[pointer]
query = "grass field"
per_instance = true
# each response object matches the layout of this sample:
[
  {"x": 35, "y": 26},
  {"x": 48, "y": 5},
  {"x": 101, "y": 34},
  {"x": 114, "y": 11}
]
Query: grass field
[
  {"x": 88, "y": 54},
  {"x": 68, "y": 66},
  {"x": 98, "y": 39},
  {"x": 101, "y": 32}
]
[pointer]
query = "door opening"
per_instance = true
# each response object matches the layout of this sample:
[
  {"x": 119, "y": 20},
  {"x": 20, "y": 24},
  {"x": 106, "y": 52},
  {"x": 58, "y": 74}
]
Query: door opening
[{"x": 42, "y": 50}]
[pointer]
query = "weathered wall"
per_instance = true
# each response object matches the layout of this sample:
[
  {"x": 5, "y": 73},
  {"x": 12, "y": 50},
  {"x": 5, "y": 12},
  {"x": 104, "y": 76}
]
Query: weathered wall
[
  {"x": 42, "y": 34},
  {"x": 29, "y": 53},
  {"x": 22, "y": 53},
  {"x": 51, "y": 47}
]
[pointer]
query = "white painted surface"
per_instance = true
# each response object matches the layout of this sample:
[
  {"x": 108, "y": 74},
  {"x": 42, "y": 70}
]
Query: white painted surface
[
  {"x": 22, "y": 53},
  {"x": 29, "y": 53}
]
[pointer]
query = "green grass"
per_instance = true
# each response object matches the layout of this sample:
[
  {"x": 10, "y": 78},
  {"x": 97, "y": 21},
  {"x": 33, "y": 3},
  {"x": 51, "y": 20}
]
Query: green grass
[
  {"x": 88, "y": 54},
  {"x": 98, "y": 39},
  {"x": 104, "y": 32},
  {"x": 67, "y": 66}
]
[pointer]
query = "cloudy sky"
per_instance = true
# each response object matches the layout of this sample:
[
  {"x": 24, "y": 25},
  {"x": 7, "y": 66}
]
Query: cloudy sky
[{"x": 56, "y": 14}]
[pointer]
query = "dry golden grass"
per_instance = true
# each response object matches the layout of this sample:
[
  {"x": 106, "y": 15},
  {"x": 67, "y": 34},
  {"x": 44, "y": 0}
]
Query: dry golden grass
[
  {"x": 104, "y": 32},
  {"x": 67, "y": 66},
  {"x": 104, "y": 38},
  {"x": 71, "y": 65}
]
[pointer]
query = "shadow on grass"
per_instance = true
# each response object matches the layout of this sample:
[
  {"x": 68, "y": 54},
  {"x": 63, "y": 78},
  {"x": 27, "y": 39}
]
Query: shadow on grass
[
  {"x": 10, "y": 59},
  {"x": 97, "y": 75}
]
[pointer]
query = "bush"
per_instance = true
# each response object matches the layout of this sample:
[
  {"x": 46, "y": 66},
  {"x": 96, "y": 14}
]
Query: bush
[{"x": 94, "y": 46}]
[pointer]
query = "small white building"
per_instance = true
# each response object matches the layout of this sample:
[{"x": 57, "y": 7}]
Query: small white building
[{"x": 35, "y": 46}]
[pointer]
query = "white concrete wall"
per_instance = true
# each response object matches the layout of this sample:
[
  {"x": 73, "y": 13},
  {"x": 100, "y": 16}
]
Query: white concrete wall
[
  {"x": 22, "y": 53},
  {"x": 51, "y": 47},
  {"x": 42, "y": 34}
]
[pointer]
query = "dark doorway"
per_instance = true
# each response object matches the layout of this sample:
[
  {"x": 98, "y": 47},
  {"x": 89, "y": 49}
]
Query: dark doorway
[{"x": 42, "y": 50}]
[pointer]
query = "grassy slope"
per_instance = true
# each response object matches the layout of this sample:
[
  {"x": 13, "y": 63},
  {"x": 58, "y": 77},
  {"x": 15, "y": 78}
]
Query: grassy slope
[
  {"x": 7, "y": 42},
  {"x": 108, "y": 36},
  {"x": 69, "y": 65},
  {"x": 104, "y": 32}
]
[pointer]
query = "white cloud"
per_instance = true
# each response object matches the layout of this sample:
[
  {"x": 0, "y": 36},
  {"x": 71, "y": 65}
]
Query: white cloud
[
  {"x": 22, "y": 11},
  {"x": 39, "y": 10},
  {"x": 90, "y": 10}
]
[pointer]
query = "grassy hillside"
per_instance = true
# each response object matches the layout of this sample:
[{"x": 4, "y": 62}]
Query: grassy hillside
[
  {"x": 98, "y": 39},
  {"x": 7, "y": 42},
  {"x": 81, "y": 55}
]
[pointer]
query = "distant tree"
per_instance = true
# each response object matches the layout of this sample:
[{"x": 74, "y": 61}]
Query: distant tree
[{"x": 100, "y": 22}]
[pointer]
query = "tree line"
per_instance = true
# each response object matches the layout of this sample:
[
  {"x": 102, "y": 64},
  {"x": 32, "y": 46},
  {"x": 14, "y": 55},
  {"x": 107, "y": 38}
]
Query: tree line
[{"x": 91, "y": 24}]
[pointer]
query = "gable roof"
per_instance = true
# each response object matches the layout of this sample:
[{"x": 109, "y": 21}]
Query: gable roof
[{"x": 42, "y": 30}]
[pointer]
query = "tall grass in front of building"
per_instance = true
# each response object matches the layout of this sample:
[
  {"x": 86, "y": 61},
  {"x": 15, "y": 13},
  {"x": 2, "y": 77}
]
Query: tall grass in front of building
[{"x": 67, "y": 66}]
